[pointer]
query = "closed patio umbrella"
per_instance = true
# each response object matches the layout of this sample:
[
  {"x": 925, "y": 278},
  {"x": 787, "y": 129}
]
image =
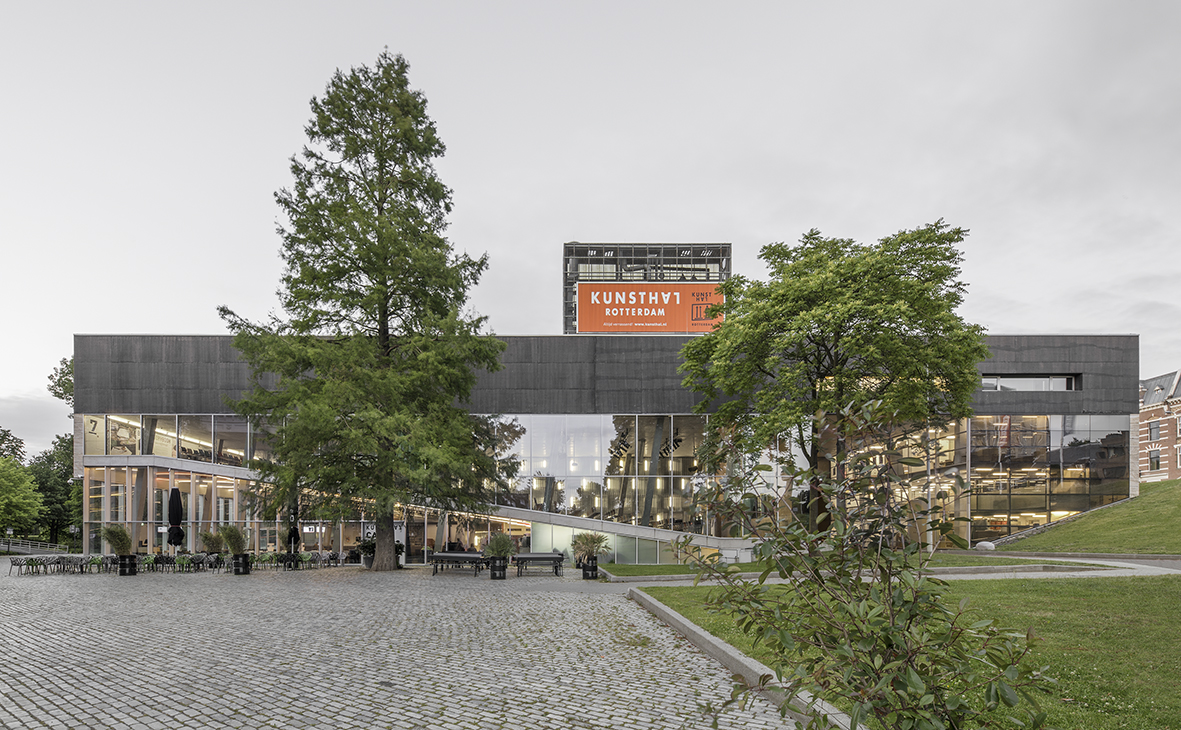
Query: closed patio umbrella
[{"x": 176, "y": 516}]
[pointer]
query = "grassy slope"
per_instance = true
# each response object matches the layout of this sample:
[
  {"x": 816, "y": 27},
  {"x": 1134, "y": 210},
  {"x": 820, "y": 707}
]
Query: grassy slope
[
  {"x": 1146, "y": 524},
  {"x": 1113, "y": 644}
]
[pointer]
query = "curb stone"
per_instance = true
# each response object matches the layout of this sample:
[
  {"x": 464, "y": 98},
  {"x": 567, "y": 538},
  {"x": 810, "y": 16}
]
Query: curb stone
[{"x": 748, "y": 669}]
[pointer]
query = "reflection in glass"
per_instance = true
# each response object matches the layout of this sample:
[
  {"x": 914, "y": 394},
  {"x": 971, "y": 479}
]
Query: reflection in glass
[
  {"x": 262, "y": 441},
  {"x": 547, "y": 438},
  {"x": 584, "y": 451},
  {"x": 587, "y": 501},
  {"x": 160, "y": 435},
  {"x": 196, "y": 438},
  {"x": 230, "y": 440},
  {"x": 549, "y": 493},
  {"x": 654, "y": 449},
  {"x": 621, "y": 447},
  {"x": 687, "y": 436},
  {"x": 123, "y": 435},
  {"x": 615, "y": 491}
]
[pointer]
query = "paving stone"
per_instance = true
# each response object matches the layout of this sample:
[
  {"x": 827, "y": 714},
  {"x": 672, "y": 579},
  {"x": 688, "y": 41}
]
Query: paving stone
[{"x": 345, "y": 647}]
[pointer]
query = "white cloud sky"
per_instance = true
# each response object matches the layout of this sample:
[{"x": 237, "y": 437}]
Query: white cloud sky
[{"x": 144, "y": 142}]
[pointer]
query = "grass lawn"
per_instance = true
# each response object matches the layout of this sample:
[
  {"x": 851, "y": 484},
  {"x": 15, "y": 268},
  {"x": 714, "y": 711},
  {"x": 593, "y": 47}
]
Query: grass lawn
[
  {"x": 939, "y": 561},
  {"x": 1113, "y": 644},
  {"x": 1146, "y": 524}
]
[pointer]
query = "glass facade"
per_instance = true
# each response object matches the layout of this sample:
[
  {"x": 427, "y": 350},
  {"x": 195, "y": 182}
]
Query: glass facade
[
  {"x": 642, "y": 470},
  {"x": 1029, "y": 470},
  {"x": 631, "y": 469}
]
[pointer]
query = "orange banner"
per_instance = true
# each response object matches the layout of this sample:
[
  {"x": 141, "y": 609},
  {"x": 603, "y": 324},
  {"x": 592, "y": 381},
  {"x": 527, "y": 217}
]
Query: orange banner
[{"x": 646, "y": 307}]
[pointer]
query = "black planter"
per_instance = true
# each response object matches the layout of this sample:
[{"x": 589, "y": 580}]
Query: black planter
[
  {"x": 590, "y": 568},
  {"x": 241, "y": 564},
  {"x": 498, "y": 568},
  {"x": 127, "y": 565}
]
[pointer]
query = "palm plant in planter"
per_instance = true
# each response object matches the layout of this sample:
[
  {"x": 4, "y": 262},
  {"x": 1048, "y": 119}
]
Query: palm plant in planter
[
  {"x": 500, "y": 549},
  {"x": 212, "y": 541},
  {"x": 120, "y": 541},
  {"x": 235, "y": 540},
  {"x": 586, "y": 547},
  {"x": 367, "y": 548}
]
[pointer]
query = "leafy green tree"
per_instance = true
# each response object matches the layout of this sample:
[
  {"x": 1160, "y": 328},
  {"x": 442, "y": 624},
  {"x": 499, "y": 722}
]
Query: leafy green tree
[
  {"x": 20, "y": 505},
  {"x": 837, "y": 323},
  {"x": 61, "y": 381},
  {"x": 365, "y": 379},
  {"x": 11, "y": 446},
  {"x": 861, "y": 619},
  {"x": 61, "y": 496}
]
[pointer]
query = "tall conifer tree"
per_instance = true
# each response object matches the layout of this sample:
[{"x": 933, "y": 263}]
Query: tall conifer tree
[{"x": 365, "y": 378}]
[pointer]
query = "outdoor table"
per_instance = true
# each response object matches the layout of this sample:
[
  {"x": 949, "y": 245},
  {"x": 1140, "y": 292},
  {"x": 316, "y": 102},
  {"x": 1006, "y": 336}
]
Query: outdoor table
[
  {"x": 524, "y": 560},
  {"x": 457, "y": 560}
]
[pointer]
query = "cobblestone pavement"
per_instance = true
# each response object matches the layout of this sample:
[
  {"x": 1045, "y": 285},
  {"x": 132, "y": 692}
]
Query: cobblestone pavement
[{"x": 346, "y": 648}]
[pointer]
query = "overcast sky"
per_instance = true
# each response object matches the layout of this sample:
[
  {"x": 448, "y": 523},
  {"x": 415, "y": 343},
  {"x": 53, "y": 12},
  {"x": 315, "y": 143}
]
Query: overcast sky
[{"x": 143, "y": 143}]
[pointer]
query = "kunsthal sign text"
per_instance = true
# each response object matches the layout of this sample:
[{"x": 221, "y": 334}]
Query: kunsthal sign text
[{"x": 646, "y": 307}]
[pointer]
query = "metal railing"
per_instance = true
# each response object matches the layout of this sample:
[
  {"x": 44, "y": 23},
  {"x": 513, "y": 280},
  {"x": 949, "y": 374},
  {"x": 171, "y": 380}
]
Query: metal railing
[{"x": 31, "y": 546}]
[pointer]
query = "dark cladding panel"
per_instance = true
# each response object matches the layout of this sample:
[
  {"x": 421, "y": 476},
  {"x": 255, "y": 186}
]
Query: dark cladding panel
[
  {"x": 569, "y": 374},
  {"x": 1107, "y": 368},
  {"x": 586, "y": 374},
  {"x": 156, "y": 374}
]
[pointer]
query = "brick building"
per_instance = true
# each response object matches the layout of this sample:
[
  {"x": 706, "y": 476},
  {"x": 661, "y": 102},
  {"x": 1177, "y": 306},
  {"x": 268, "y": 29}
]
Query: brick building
[{"x": 1160, "y": 399}]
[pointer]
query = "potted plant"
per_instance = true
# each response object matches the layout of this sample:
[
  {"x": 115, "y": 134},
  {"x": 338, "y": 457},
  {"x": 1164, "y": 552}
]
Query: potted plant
[
  {"x": 235, "y": 540},
  {"x": 367, "y": 548},
  {"x": 120, "y": 541},
  {"x": 500, "y": 549},
  {"x": 586, "y": 547},
  {"x": 212, "y": 541}
]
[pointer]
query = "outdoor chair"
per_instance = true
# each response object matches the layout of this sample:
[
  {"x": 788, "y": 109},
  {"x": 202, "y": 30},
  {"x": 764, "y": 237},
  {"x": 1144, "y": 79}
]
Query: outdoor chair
[{"x": 18, "y": 563}]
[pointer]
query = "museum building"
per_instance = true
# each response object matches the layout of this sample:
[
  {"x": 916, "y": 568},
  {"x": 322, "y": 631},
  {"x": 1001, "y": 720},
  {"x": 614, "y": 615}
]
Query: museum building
[
  {"x": 608, "y": 433},
  {"x": 608, "y": 441}
]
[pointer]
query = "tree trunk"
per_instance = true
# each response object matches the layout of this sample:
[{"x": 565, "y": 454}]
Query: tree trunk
[{"x": 385, "y": 558}]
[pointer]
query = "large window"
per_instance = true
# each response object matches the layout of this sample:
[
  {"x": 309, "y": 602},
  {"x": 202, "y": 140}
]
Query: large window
[
  {"x": 1154, "y": 430},
  {"x": 160, "y": 435},
  {"x": 229, "y": 433},
  {"x": 623, "y": 468},
  {"x": 196, "y": 437},
  {"x": 1154, "y": 459},
  {"x": 1033, "y": 383},
  {"x": 1027, "y": 470},
  {"x": 123, "y": 435},
  {"x": 94, "y": 435}
]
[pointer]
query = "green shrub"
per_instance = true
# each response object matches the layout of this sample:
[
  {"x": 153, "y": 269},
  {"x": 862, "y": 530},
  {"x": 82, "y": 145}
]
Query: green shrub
[{"x": 864, "y": 621}]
